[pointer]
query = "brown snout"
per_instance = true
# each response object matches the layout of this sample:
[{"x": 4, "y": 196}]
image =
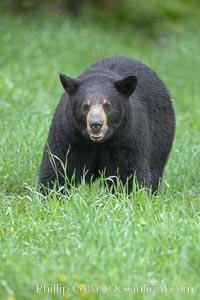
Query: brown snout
[{"x": 96, "y": 123}]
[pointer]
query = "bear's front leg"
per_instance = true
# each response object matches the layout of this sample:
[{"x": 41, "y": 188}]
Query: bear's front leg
[
  {"x": 59, "y": 169},
  {"x": 142, "y": 175},
  {"x": 129, "y": 169}
]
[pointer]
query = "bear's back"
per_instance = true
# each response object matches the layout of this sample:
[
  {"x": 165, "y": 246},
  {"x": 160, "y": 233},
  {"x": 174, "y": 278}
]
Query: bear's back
[{"x": 120, "y": 66}]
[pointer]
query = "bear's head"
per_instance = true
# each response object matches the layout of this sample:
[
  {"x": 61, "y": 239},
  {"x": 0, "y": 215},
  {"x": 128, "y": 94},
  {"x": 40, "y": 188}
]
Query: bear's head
[{"x": 99, "y": 103}]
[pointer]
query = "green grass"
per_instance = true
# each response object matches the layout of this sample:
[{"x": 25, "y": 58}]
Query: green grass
[{"x": 96, "y": 237}]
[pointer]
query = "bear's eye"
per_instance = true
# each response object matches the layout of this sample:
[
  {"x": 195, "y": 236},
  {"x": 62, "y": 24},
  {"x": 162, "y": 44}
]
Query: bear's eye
[
  {"x": 107, "y": 107},
  {"x": 85, "y": 108}
]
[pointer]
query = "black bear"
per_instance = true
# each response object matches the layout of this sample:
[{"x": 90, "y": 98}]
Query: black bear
[{"x": 116, "y": 118}]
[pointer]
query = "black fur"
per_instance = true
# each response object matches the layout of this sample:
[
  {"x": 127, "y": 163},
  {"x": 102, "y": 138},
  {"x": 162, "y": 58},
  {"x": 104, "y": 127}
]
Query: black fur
[{"x": 140, "y": 128}]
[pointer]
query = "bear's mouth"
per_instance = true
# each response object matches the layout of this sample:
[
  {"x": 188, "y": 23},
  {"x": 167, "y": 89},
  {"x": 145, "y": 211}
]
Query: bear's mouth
[{"x": 96, "y": 137}]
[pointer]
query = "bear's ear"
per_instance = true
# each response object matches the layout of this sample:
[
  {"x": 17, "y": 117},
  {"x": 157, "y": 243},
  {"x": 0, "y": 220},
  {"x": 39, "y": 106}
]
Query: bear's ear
[
  {"x": 126, "y": 85},
  {"x": 70, "y": 85}
]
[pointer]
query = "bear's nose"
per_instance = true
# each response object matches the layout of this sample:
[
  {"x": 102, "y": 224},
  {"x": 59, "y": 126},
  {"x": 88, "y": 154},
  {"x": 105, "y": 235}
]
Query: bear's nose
[{"x": 96, "y": 123}]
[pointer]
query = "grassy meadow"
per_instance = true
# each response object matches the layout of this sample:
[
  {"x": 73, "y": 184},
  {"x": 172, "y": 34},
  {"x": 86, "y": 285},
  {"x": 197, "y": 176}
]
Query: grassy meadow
[{"x": 97, "y": 245}]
